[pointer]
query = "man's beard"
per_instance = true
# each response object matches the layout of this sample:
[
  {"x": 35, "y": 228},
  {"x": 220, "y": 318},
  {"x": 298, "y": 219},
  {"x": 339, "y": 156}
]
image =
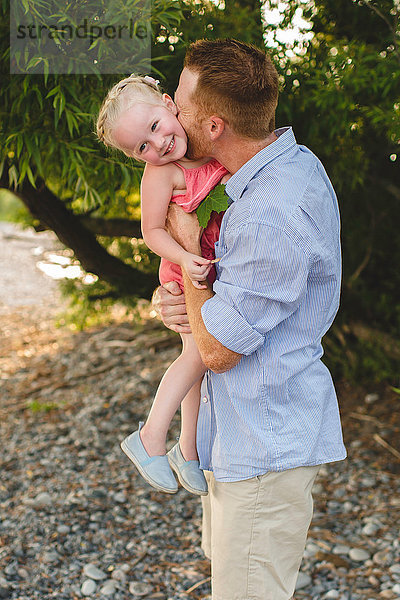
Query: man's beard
[{"x": 196, "y": 146}]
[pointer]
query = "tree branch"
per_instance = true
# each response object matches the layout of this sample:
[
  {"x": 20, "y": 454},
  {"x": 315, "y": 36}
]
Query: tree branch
[
  {"x": 392, "y": 28},
  {"x": 112, "y": 227},
  {"x": 106, "y": 227},
  {"x": 368, "y": 252}
]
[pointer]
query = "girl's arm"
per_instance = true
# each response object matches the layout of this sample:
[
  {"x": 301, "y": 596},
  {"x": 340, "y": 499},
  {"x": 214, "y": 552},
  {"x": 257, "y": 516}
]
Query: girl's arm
[
  {"x": 156, "y": 190},
  {"x": 158, "y": 184}
]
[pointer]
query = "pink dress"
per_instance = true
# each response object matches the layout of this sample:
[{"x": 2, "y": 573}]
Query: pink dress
[{"x": 199, "y": 183}]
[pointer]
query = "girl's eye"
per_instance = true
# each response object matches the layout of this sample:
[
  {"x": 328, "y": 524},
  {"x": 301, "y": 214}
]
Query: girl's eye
[
  {"x": 142, "y": 148},
  {"x": 153, "y": 127}
]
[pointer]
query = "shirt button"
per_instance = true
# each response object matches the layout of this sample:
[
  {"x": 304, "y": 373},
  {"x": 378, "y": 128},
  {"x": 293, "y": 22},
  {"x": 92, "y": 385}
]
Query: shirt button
[{"x": 205, "y": 399}]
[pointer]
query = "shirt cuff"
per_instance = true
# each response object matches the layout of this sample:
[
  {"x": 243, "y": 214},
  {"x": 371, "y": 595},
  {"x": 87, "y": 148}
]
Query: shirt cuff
[{"x": 228, "y": 326}]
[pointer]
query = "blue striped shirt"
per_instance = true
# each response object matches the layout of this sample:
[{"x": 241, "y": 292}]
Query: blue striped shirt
[{"x": 276, "y": 294}]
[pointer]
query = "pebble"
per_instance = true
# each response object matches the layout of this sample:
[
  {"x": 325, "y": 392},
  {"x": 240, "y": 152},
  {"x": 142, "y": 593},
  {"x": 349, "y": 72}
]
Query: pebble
[
  {"x": 125, "y": 567},
  {"x": 63, "y": 529},
  {"x": 332, "y": 595},
  {"x": 341, "y": 549},
  {"x": 359, "y": 555},
  {"x": 23, "y": 573},
  {"x": 109, "y": 588},
  {"x": 90, "y": 570},
  {"x": 42, "y": 500},
  {"x": 88, "y": 587},
  {"x": 371, "y": 398},
  {"x": 120, "y": 497},
  {"x": 368, "y": 482},
  {"x": 11, "y": 568},
  {"x": 384, "y": 557},
  {"x": 311, "y": 549},
  {"x": 119, "y": 574},
  {"x": 317, "y": 489},
  {"x": 370, "y": 529},
  {"x": 395, "y": 569},
  {"x": 50, "y": 557},
  {"x": 396, "y": 589},
  {"x": 387, "y": 594},
  {"x": 139, "y": 589},
  {"x": 303, "y": 580}
]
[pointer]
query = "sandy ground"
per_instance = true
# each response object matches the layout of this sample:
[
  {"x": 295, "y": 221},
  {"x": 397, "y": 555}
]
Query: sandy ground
[
  {"x": 29, "y": 300},
  {"x": 22, "y": 283}
]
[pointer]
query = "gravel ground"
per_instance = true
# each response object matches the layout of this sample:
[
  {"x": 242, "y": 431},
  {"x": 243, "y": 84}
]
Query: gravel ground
[{"x": 77, "y": 521}]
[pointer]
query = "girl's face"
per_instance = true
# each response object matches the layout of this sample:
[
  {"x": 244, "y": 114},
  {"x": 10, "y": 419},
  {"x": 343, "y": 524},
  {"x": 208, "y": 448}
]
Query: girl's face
[{"x": 151, "y": 133}]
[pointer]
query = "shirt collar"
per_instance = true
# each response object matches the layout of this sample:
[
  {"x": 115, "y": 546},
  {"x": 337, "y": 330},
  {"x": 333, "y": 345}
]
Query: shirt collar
[{"x": 239, "y": 180}]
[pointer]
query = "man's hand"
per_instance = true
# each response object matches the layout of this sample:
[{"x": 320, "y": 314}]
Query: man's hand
[
  {"x": 184, "y": 228},
  {"x": 169, "y": 302}
]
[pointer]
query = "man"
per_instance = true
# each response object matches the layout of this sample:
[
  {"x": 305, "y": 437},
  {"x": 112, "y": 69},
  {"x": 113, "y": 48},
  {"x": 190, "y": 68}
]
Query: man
[{"x": 268, "y": 416}]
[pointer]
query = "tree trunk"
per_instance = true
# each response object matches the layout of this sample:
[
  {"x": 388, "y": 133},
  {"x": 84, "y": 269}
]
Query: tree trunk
[
  {"x": 106, "y": 227},
  {"x": 94, "y": 258}
]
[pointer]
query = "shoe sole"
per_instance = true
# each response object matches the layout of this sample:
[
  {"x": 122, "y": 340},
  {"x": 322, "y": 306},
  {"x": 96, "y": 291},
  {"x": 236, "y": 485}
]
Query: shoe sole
[
  {"x": 154, "y": 484},
  {"x": 183, "y": 483}
]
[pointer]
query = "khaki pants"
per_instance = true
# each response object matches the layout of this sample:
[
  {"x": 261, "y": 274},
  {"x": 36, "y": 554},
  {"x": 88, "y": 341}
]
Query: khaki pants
[{"x": 254, "y": 532}]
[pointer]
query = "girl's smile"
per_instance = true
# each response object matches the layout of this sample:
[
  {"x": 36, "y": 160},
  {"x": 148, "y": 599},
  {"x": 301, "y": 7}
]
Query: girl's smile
[
  {"x": 171, "y": 145},
  {"x": 151, "y": 133}
]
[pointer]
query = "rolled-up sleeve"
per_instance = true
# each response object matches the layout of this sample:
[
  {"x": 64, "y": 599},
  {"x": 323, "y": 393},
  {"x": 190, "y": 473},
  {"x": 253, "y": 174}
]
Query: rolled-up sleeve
[{"x": 262, "y": 279}]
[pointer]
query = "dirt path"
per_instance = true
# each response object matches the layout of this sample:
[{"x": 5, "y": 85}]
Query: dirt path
[
  {"x": 23, "y": 284},
  {"x": 29, "y": 299}
]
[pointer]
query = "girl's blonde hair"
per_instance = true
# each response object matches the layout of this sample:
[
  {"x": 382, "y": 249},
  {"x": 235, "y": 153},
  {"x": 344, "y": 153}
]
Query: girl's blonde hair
[{"x": 121, "y": 97}]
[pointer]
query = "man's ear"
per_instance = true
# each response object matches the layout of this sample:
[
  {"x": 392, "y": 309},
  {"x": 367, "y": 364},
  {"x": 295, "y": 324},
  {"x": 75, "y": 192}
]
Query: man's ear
[
  {"x": 169, "y": 103},
  {"x": 216, "y": 127}
]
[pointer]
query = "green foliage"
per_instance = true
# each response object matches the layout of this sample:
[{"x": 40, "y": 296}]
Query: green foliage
[
  {"x": 36, "y": 406},
  {"x": 47, "y": 123},
  {"x": 341, "y": 93},
  {"x": 83, "y": 311},
  {"x": 204, "y": 19},
  {"x": 359, "y": 353},
  {"x": 51, "y": 35},
  {"x": 216, "y": 201},
  {"x": 54, "y": 139},
  {"x": 47, "y": 133},
  {"x": 12, "y": 209},
  {"x": 95, "y": 302}
]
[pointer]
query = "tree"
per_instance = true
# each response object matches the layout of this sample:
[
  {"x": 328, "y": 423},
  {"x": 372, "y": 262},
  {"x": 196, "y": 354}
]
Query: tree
[
  {"x": 52, "y": 161},
  {"x": 207, "y": 20},
  {"x": 341, "y": 93},
  {"x": 50, "y": 157},
  {"x": 341, "y": 89}
]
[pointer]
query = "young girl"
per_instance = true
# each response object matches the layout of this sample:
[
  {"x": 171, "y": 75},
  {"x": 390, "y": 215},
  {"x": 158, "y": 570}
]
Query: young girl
[{"x": 137, "y": 119}]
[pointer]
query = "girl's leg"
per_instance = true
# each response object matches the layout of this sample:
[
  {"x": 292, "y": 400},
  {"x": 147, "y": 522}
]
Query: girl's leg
[
  {"x": 184, "y": 372},
  {"x": 189, "y": 413}
]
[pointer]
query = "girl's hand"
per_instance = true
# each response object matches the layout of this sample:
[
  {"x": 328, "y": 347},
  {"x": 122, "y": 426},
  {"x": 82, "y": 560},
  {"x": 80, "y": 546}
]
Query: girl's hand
[{"x": 197, "y": 268}]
